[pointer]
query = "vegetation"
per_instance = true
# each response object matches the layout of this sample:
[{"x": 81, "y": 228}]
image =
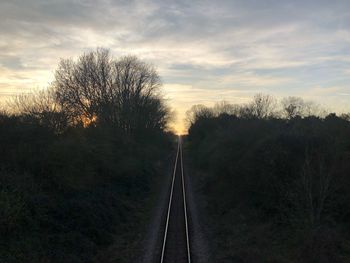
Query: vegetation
[
  {"x": 275, "y": 180},
  {"x": 78, "y": 161}
]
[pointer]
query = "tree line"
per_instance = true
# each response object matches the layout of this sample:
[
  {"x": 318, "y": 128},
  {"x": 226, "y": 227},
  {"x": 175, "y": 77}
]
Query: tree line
[
  {"x": 262, "y": 106},
  {"x": 79, "y": 161},
  {"x": 274, "y": 178},
  {"x": 80, "y": 158}
]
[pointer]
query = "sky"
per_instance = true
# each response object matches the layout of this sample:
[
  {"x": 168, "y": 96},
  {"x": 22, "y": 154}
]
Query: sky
[{"x": 205, "y": 51}]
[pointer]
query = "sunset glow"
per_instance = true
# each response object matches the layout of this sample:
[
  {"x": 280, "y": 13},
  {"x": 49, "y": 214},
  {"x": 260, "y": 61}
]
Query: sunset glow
[
  {"x": 175, "y": 131},
  {"x": 205, "y": 51}
]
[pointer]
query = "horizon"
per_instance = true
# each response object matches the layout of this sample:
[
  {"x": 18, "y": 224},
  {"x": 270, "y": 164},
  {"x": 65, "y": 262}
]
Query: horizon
[
  {"x": 204, "y": 52},
  {"x": 175, "y": 131}
]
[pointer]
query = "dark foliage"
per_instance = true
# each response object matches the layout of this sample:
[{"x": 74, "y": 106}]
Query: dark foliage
[
  {"x": 72, "y": 182},
  {"x": 64, "y": 197},
  {"x": 277, "y": 189}
]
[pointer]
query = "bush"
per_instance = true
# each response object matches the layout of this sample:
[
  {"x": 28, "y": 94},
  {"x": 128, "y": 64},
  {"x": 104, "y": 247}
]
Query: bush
[{"x": 290, "y": 175}]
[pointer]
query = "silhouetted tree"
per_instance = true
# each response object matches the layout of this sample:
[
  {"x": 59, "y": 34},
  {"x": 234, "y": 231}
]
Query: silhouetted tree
[
  {"x": 246, "y": 112},
  {"x": 225, "y": 107},
  {"x": 119, "y": 92},
  {"x": 316, "y": 178},
  {"x": 292, "y": 107},
  {"x": 198, "y": 112},
  {"x": 345, "y": 116},
  {"x": 285, "y": 174},
  {"x": 262, "y": 106},
  {"x": 41, "y": 106}
]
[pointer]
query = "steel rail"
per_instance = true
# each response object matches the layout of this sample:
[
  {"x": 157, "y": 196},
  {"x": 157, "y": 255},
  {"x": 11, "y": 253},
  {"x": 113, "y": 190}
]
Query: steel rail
[
  {"x": 179, "y": 152},
  {"x": 185, "y": 207},
  {"x": 169, "y": 206}
]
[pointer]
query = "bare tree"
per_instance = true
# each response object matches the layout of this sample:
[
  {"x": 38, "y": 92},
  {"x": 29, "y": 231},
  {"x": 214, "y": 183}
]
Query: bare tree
[
  {"x": 313, "y": 109},
  {"x": 345, "y": 116},
  {"x": 197, "y": 112},
  {"x": 262, "y": 106},
  {"x": 295, "y": 106},
  {"x": 316, "y": 187},
  {"x": 225, "y": 107},
  {"x": 136, "y": 86},
  {"x": 41, "y": 105},
  {"x": 292, "y": 107},
  {"x": 83, "y": 88},
  {"x": 246, "y": 111},
  {"x": 99, "y": 88}
]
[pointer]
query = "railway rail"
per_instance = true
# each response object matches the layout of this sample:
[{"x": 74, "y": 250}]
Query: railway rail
[{"x": 176, "y": 239}]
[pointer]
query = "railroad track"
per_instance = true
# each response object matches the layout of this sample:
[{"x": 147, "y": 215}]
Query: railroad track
[{"x": 176, "y": 240}]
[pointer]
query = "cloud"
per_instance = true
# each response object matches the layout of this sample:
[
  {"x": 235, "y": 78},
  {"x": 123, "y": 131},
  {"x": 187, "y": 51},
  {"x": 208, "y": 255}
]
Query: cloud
[{"x": 282, "y": 47}]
